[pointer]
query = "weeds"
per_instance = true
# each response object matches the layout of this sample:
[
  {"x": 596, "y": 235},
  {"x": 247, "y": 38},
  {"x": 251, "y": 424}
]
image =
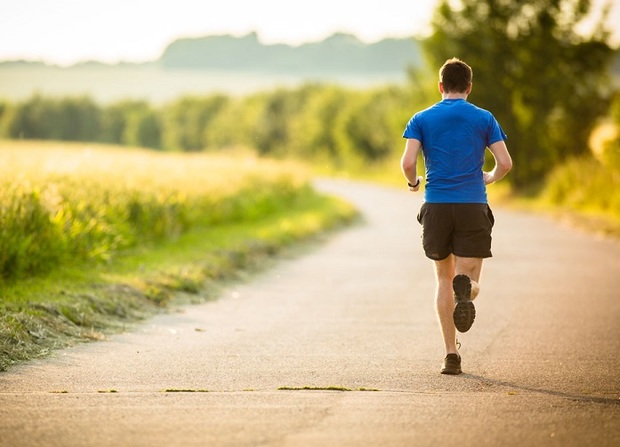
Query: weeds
[
  {"x": 323, "y": 388},
  {"x": 182, "y": 390}
]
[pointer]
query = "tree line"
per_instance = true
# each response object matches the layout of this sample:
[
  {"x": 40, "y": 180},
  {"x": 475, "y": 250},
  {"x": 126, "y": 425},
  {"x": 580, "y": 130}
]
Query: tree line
[{"x": 313, "y": 121}]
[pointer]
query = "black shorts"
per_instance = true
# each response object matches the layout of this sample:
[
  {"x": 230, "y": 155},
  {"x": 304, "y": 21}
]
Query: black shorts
[{"x": 462, "y": 229}]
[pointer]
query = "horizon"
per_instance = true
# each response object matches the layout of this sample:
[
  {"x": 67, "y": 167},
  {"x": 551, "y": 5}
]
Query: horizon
[
  {"x": 69, "y": 32},
  {"x": 239, "y": 36}
]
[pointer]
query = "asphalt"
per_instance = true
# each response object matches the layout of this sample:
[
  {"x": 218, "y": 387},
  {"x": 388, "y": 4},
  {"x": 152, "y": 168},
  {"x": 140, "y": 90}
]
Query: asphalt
[{"x": 339, "y": 346}]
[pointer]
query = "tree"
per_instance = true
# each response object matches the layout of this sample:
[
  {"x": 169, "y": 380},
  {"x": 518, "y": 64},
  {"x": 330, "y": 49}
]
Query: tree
[
  {"x": 143, "y": 129},
  {"x": 546, "y": 84},
  {"x": 187, "y": 119},
  {"x": 315, "y": 127},
  {"x": 114, "y": 119},
  {"x": 278, "y": 110},
  {"x": 375, "y": 125},
  {"x": 32, "y": 119},
  {"x": 78, "y": 119}
]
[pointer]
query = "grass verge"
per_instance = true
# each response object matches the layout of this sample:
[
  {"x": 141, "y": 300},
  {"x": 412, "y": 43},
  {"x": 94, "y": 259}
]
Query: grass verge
[{"x": 82, "y": 302}]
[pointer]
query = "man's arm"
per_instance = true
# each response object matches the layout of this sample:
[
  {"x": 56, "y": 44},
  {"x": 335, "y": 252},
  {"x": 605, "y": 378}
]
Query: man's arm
[
  {"x": 503, "y": 163},
  {"x": 408, "y": 162}
]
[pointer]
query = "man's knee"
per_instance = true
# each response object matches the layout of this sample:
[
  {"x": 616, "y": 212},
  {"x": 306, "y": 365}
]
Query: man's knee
[{"x": 444, "y": 269}]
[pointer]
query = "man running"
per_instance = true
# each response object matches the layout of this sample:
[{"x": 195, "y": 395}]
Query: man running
[{"x": 456, "y": 219}]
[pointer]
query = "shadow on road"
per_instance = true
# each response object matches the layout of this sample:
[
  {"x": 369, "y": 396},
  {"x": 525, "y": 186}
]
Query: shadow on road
[{"x": 561, "y": 394}]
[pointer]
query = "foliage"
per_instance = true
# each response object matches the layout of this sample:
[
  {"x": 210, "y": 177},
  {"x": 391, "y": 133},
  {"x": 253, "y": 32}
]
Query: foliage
[
  {"x": 142, "y": 127},
  {"x": 62, "y": 204},
  {"x": 586, "y": 191},
  {"x": 585, "y": 183},
  {"x": 371, "y": 126},
  {"x": 312, "y": 122},
  {"x": 590, "y": 184},
  {"x": 187, "y": 122},
  {"x": 314, "y": 139},
  {"x": 546, "y": 85},
  {"x": 611, "y": 148},
  {"x": 70, "y": 119},
  {"x": 272, "y": 129}
]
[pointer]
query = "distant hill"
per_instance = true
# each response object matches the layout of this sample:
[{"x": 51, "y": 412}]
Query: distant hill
[
  {"x": 217, "y": 64},
  {"x": 341, "y": 53}
]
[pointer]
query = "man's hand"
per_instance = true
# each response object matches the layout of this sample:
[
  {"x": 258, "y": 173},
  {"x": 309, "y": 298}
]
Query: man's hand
[{"x": 488, "y": 178}]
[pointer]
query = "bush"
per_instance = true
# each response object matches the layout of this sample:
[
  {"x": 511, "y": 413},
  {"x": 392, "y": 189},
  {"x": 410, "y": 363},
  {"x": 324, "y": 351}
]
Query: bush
[{"x": 585, "y": 184}]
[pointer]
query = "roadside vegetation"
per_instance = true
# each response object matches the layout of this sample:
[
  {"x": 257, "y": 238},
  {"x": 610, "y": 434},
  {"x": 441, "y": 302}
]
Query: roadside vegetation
[
  {"x": 586, "y": 188},
  {"x": 94, "y": 238}
]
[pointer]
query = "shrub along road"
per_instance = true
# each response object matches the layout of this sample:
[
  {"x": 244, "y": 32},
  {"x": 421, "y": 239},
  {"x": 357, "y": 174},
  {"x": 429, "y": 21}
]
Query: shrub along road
[{"x": 340, "y": 347}]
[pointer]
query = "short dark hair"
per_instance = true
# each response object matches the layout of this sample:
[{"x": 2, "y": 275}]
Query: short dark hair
[{"x": 455, "y": 75}]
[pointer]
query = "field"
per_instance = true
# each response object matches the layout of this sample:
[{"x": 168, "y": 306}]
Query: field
[
  {"x": 94, "y": 237},
  {"x": 63, "y": 202},
  {"x": 107, "y": 84}
]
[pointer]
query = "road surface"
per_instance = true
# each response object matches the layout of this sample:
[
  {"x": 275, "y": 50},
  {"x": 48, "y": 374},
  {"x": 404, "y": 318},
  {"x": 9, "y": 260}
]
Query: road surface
[{"x": 340, "y": 347}]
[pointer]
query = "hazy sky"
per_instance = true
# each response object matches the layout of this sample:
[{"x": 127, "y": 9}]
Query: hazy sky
[{"x": 68, "y": 31}]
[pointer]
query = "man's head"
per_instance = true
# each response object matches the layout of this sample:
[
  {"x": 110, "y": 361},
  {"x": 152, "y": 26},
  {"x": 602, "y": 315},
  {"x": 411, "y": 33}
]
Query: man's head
[{"x": 455, "y": 76}]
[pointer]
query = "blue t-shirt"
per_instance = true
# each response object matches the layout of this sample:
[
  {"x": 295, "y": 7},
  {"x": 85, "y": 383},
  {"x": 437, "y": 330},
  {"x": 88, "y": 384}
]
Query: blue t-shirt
[{"x": 454, "y": 135}]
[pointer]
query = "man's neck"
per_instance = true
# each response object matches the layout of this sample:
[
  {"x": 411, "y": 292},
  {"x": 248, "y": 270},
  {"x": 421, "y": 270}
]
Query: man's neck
[{"x": 454, "y": 95}]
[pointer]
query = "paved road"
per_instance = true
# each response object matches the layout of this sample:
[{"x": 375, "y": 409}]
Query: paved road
[{"x": 541, "y": 362}]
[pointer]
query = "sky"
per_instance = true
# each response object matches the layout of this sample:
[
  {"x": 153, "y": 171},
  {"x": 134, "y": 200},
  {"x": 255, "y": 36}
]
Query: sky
[
  {"x": 67, "y": 31},
  {"x": 64, "y": 32}
]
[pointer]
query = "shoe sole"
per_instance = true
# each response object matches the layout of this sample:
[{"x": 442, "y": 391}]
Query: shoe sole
[
  {"x": 464, "y": 310},
  {"x": 451, "y": 372}
]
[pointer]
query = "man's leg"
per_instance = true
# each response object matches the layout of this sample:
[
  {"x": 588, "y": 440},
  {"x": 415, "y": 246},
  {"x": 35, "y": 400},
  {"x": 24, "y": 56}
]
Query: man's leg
[
  {"x": 466, "y": 288},
  {"x": 444, "y": 302},
  {"x": 472, "y": 267}
]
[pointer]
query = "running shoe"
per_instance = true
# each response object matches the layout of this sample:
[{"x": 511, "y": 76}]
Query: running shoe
[
  {"x": 451, "y": 365},
  {"x": 464, "y": 310}
]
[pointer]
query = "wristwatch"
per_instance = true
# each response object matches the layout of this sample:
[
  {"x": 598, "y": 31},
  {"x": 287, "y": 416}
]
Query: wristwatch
[{"x": 414, "y": 186}]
